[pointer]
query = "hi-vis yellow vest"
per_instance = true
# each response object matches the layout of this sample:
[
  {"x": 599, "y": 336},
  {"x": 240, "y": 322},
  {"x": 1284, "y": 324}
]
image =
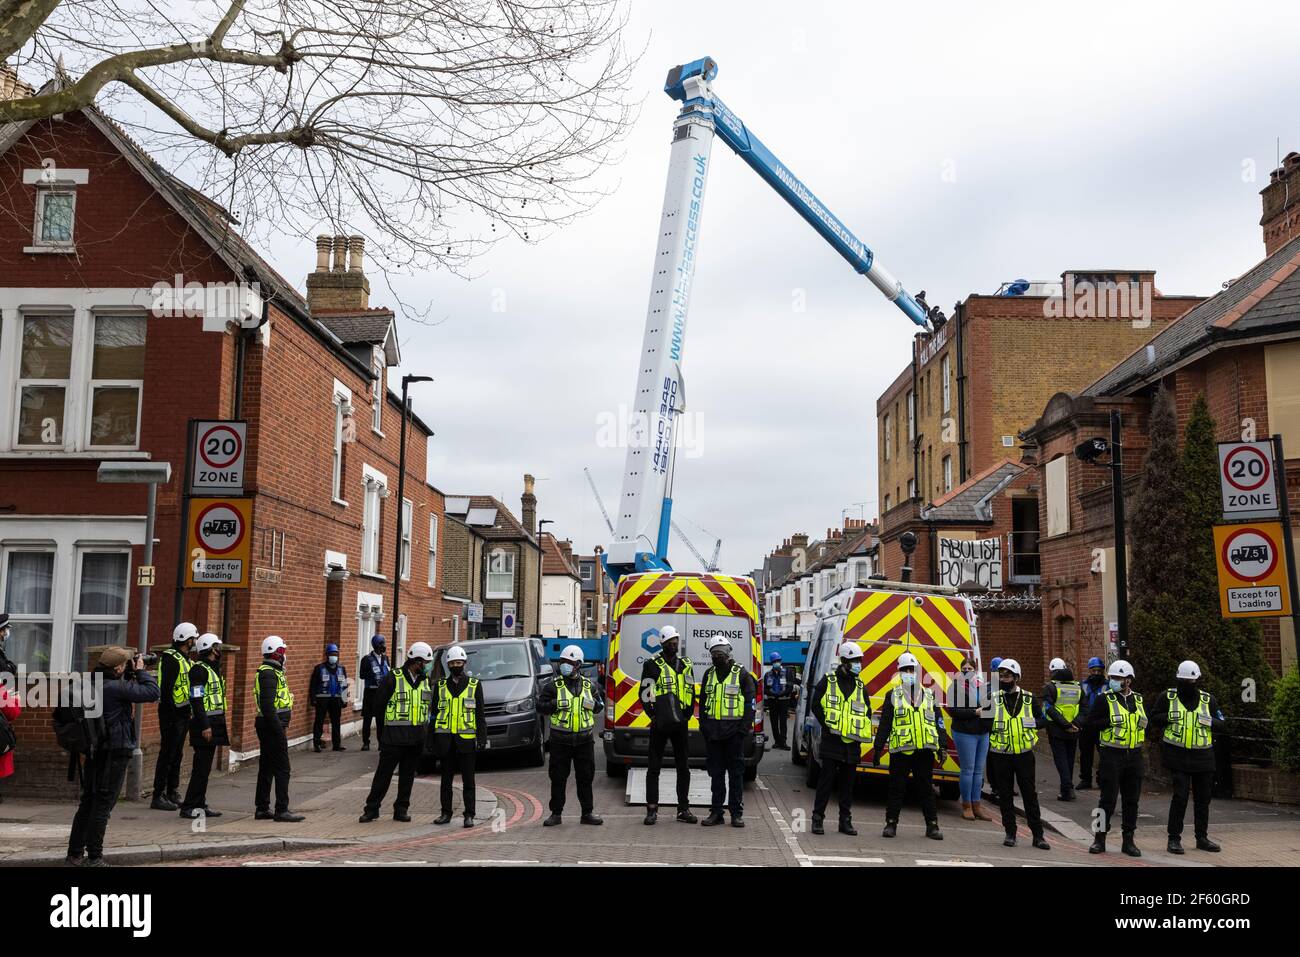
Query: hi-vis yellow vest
[
  {"x": 723, "y": 699},
  {"x": 213, "y": 691},
  {"x": 913, "y": 728},
  {"x": 849, "y": 718},
  {"x": 410, "y": 705},
  {"x": 457, "y": 714},
  {"x": 181, "y": 687},
  {"x": 573, "y": 712},
  {"x": 680, "y": 682},
  {"x": 1189, "y": 729},
  {"x": 1127, "y": 729},
  {"x": 1068, "y": 696},
  {"x": 1013, "y": 734},
  {"x": 283, "y": 701}
]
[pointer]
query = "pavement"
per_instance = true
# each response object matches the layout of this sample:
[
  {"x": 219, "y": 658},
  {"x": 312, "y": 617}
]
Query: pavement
[{"x": 330, "y": 788}]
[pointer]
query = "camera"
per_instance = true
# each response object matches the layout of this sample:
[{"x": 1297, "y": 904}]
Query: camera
[{"x": 149, "y": 660}]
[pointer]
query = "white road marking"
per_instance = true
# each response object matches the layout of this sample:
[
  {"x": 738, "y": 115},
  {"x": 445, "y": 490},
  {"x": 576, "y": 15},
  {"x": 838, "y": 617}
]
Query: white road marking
[
  {"x": 849, "y": 860},
  {"x": 280, "y": 863},
  {"x": 954, "y": 863},
  {"x": 386, "y": 863},
  {"x": 624, "y": 864},
  {"x": 791, "y": 840},
  {"x": 489, "y": 860}
]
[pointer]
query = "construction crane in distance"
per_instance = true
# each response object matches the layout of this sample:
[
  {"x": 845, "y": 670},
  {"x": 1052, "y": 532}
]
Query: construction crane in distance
[{"x": 708, "y": 564}]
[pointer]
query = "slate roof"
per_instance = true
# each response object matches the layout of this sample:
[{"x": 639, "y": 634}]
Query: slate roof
[
  {"x": 971, "y": 502},
  {"x": 1266, "y": 297},
  {"x": 507, "y": 527}
]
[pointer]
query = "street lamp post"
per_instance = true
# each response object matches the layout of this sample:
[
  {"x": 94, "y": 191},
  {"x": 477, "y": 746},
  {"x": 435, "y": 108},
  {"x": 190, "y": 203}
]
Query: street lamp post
[
  {"x": 401, "y": 508},
  {"x": 1089, "y": 452},
  {"x": 151, "y": 474}
]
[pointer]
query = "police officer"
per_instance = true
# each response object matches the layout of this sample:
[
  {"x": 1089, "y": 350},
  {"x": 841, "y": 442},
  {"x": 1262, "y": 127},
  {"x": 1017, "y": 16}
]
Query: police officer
[
  {"x": 207, "y": 723},
  {"x": 459, "y": 730},
  {"x": 173, "y": 716},
  {"x": 840, "y": 705},
  {"x": 726, "y": 716},
  {"x": 329, "y": 688},
  {"x": 1189, "y": 717},
  {"x": 1062, "y": 698},
  {"x": 407, "y": 703},
  {"x": 777, "y": 687},
  {"x": 1121, "y": 717},
  {"x": 668, "y": 696},
  {"x": 1090, "y": 737},
  {"x": 1016, "y": 718},
  {"x": 912, "y": 732},
  {"x": 274, "y": 702},
  {"x": 572, "y": 702},
  {"x": 374, "y": 668}
]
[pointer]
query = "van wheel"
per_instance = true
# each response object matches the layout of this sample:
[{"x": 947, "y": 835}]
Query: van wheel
[
  {"x": 536, "y": 757},
  {"x": 814, "y": 771}
]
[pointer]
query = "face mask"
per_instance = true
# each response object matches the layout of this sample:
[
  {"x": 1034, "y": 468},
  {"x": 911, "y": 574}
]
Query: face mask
[
  {"x": 566, "y": 669},
  {"x": 907, "y": 679},
  {"x": 720, "y": 658},
  {"x": 457, "y": 668},
  {"x": 1115, "y": 684},
  {"x": 428, "y": 668},
  {"x": 855, "y": 667},
  {"x": 670, "y": 648},
  {"x": 1006, "y": 685},
  {"x": 333, "y": 659}
]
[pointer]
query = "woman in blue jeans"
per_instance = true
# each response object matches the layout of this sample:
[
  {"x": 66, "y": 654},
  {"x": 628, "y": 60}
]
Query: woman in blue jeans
[{"x": 967, "y": 696}]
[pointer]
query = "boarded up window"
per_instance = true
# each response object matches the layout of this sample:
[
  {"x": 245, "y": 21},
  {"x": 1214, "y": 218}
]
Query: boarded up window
[
  {"x": 1282, "y": 378},
  {"x": 1058, "y": 496}
]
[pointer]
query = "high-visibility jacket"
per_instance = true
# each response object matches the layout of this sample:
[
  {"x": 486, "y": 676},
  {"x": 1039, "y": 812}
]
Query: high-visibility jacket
[
  {"x": 1069, "y": 695},
  {"x": 283, "y": 701},
  {"x": 850, "y": 717},
  {"x": 680, "y": 682},
  {"x": 180, "y": 687},
  {"x": 573, "y": 713},
  {"x": 1189, "y": 729},
  {"x": 457, "y": 713},
  {"x": 1127, "y": 729},
  {"x": 214, "y": 691},
  {"x": 723, "y": 699},
  {"x": 1013, "y": 733},
  {"x": 410, "y": 705},
  {"x": 913, "y": 728}
]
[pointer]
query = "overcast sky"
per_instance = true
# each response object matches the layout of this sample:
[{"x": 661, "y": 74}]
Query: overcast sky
[{"x": 967, "y": 144}]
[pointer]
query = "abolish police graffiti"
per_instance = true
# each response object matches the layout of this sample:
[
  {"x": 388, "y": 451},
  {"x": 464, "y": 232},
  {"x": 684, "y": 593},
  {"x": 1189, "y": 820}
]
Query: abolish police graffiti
[{"x": 979, "y": 560}]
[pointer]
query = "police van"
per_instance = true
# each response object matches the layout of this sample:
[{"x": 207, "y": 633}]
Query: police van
[{"x": 933, "y": 622}]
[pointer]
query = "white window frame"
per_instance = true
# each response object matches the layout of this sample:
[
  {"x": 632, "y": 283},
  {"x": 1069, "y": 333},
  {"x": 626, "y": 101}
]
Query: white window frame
[
  {"x": 946, "y": 372},
  {"x": 77, "y": 617},
  {"x": 342, "y": 402},
  {"x": 375, "y": 490},
  {"x": 93, "y": 384},
  {"x": 377, "y": 394},
  {"x": 911, "y": 416},
  {"x": 40, "y": 242},
  {"x": 407, "y": 533},
  {"x": 433, "y": 550},
  {"x": 888, "y": 504},
  {"x": 947, "y": 473},
  {"x": 370, "y": 612},
  {"x": 911, "y": 489},
  {"x": 69, "y": 407},
  {"x": 52, "y": 616},
  {"x": 888, "y": 443},
  {"x": 509, "y": 561}
]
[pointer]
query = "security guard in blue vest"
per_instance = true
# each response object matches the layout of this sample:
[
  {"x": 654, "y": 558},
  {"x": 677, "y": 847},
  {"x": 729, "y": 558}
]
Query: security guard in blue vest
[
  {"x": 572, "y": 702},
  {"x": 374, "y": 668},
  {"x": 1189, "y": 718},
  {"x": 329, "y": 689},
  {"x": 207, "y": 724},
  {"x": 274, "y": 708},
  {"x": 406, "y": 700},
  {"x": 912, "y": 733},
  {"x": 727, "y": 699},
  {"x": 173, "y": 716},
  {"x": 1092, "y": 687},
  {"x": 1121, "y": 717}
]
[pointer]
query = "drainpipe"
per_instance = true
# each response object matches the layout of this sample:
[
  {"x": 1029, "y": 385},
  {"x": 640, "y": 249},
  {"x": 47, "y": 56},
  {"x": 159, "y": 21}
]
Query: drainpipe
[{"x": 959, "y": 319}]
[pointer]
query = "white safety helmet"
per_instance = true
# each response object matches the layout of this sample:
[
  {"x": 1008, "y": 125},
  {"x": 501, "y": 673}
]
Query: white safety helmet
[
  {"x": 668, "y": 632},
  {"x": 272, "y": 644},
  {"x": 1189, "y": 670},
  {"x": 419, "y": 650},
  {"x": 907, "y": 660},
  {"x": 1119, "y": 668},
  {"x": 572, "y": 654},
  {"x": 717, "y": 641},
  {"x": 456, "y": 653},
  {"x": 850, "y": 651},
  {"x": 1011, "y": 665},
  {"x": 206, "y": 642},
  {"x": 1058, "y": 664},
  {"x": 184, "y": 632}
]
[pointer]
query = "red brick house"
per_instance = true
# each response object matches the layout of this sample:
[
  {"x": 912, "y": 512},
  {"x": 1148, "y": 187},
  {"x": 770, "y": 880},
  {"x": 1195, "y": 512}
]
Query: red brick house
[{"x": 96, "y": 364}]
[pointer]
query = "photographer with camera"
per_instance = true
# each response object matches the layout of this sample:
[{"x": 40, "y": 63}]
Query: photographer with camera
[{"x": 127, "y": 682}]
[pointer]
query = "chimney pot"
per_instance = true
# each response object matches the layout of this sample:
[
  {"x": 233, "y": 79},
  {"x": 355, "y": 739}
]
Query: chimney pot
[
  {"x": 356, "y": 254},
  {"x": 322, "y": 254},
  {"x": 340, "y": 254}
]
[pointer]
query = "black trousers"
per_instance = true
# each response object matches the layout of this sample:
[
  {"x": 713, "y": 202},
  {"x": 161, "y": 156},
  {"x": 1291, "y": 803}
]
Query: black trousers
[
  {"x": 725, "y": 761},
  {"x": 101, "y": 782},
  {"x": 462, "y": 761},
  {"x": 1009, "y": 771},
  {"x": 1200, "y": 784},
  {"x": 272, "y": 765},
  {"x": 370, "y": 710},
  {"x": 919, "y": 765},
  {"x": 1089, "y": 744},
  {"x": 581, "y": 757},
  {"x": 680, "y": 740},
  {"x": 1063, "y": 750},
  {"x": 837, "y": 776},
  {"x": 406, "y": 760},
  {"x": 779, "y": 712},
  {"x": 196, "y": 795},
  {"x": 1120, "y": 776},
  {"x": 334, "y": 708},
  {"x": 174, "y": 724}
]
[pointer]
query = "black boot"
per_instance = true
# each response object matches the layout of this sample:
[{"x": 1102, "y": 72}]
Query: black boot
[
  {"x": 932, "y": 831},
  {"x": 1175, "y": 845},
  {"x": 315, "y": 746},
  {"x": 737, "y": 819},
  {"x": 1128, "y": 846},
  {"x": 591, "y": 818},
  {"x": 367, "y": 816},
  {"x": 288, "y": 817},
  {"x": 891, "y": 829},
  {"x": 1098, "y": 843},
  {"x": 686, "y": 817},
  {"x": 817, "y": 826},
  {"x": 552, "y": 821},
  {"x": 651, "y": 813},
  {"x": 1009, "y": 840},
  {"x": 469, "y": 820},
  {"x": 713, "y": 820},
  {"x": 160, "y": 803},
  {"x": 846, "y": 827},
  {"x": 443, "y": 818},
  {"x": 1041, "y": 843},
  {"x": 1205, "y": 844},
  {"x": 401, "y": 817}
]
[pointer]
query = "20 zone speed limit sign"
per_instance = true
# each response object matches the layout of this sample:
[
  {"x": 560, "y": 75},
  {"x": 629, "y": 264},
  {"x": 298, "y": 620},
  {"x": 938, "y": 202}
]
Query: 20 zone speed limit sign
[
  {"x": 218, "y": 457},
  {"x": 1247, "y": 479}
]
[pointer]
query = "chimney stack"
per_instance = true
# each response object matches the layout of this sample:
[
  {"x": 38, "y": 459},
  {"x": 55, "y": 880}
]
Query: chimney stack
[
  {"x": 1281, "y": 218},
  {"x": 529, "y": 503},
  {"x": 339, "y": 285},
  {"x": 12, "y": 88}
]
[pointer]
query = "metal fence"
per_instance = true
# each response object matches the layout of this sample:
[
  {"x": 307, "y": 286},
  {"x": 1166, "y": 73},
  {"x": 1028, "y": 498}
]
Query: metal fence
[{"x": 1251, "y": 741}]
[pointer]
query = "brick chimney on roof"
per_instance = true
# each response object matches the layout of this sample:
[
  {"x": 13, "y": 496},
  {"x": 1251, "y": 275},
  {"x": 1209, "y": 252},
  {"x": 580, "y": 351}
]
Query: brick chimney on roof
[
  {"x": 528, "y": 503},
  {"x": 342, "y": 283},
  {"x": 12, "y": 88},
  {"x": 1281, "y": 218}
]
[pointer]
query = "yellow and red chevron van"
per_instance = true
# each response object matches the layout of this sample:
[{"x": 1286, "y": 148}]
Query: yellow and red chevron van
[
  {"x": 933, "y": 622},
  {"x": 699, "y": 606}
]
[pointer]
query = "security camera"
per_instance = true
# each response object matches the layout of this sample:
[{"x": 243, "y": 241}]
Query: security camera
[
  {"x": 907, "y": 542},
  {"x": 1091, "y": 450}
]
